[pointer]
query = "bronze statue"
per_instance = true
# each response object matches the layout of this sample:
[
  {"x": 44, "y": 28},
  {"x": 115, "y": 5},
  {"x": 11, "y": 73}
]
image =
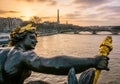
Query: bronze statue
[{"x": 21, "y": 60}]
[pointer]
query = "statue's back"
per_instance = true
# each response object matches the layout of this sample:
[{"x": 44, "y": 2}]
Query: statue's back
[{"x": 3, "y": 57}]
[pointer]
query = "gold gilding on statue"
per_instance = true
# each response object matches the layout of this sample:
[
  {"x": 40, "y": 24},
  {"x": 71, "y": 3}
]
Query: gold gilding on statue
[
  {"x": 20, "y": 30},
  {"x": 104, "y": 49}
]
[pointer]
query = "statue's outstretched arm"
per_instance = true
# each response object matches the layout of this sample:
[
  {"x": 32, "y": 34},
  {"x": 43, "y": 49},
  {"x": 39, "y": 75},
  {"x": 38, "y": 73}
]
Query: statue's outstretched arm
[{"x": 60, "y": 65}]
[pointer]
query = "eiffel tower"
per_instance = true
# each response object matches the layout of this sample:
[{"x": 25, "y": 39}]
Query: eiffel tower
[{"x": 58, "y": 21}]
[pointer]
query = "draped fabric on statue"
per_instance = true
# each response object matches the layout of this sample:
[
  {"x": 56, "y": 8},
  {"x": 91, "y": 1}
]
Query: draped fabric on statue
[{"x": 86, "y": 77}]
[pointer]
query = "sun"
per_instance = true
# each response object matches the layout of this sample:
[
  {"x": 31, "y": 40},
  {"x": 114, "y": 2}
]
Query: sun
[
  {"x": 27, "y": 18},
  {"x": 27, "y": 14}
]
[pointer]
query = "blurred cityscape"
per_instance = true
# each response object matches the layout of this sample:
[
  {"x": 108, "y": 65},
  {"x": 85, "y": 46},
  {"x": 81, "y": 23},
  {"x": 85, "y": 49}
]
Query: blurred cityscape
[{"x": 44, "y": 28}]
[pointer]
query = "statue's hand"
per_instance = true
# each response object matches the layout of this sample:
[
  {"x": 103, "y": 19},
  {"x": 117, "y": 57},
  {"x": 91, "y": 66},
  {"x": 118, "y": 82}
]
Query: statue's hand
[{"x": 101, "y": 63}]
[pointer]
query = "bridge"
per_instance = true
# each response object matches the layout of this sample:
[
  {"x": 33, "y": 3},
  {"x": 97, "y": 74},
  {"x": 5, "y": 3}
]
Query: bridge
[{"x": 115, "y": 30}]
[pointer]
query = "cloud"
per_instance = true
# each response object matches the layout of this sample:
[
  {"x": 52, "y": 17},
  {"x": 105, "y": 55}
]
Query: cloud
[
  {"x": 96, "y": 11},
  {"x": 71, "y": 16},
  {"x": 51, "y": 2},
  {"x": 110, "y": 12},
  {"x": 26, "y": 0},
  {"x": 22, "y": 16},
  {"x": 4, "y": 12},
  {"x": 48, "y": 2},
  {"x": 115, "y": 9},
  {"x": 102, "y": 16},
  {"x": 79, "y": 15},
  {"x": 90, "y": 3}
]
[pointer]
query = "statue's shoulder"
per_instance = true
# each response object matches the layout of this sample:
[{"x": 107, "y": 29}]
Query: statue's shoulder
[
  {"x": 30, "y": 52},
  {"x": 4, "y": 49}
]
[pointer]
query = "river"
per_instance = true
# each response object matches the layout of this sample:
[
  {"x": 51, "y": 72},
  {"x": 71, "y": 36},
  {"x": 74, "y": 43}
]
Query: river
[{"x": 79, "y": 46}]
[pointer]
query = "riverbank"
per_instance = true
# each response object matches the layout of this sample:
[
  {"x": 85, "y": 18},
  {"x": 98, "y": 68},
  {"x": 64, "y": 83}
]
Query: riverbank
[{"x": 47, "y": 34}]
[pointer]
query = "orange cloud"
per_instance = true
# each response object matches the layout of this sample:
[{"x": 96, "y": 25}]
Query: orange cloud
[
  {"x": 48, "y": 2},
  {"x": 26, "y": 0},
  {"x": 4, "y": 12},
  {"x": 90, "y": 3}
]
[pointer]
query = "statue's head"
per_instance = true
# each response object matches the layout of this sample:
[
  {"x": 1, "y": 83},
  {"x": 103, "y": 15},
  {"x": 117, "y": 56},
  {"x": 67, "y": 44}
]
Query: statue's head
[{"x": 21, "y": 35}]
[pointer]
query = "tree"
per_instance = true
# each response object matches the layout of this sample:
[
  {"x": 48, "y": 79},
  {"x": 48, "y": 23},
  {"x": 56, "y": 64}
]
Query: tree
[{"x": 36, "y": 19}]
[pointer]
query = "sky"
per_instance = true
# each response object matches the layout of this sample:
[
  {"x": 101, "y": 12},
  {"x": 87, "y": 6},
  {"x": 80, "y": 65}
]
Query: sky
[{"x": 77, "y": 12}]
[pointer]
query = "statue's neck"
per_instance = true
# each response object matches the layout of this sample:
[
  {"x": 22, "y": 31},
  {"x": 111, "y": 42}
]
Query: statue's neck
[{"x": 20, "y": 47}]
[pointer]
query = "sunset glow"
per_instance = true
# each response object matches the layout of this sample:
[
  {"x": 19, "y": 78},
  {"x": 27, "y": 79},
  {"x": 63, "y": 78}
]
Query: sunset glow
[{"x": 77, "y": 12}]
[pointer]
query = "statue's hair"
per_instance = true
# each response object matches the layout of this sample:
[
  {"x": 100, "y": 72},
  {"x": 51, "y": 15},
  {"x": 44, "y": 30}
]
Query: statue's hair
[
  {"x": 20, "y": 33},
  {"x": 20, "y": 36}
]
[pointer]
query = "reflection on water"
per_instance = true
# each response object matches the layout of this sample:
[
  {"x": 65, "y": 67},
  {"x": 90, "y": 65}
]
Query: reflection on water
[
  {"x": 79, "y": 46},
  {"x": 76, "y": 45}
]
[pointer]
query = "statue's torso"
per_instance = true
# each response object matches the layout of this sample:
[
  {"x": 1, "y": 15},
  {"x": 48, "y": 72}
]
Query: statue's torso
[{"x": 15, "y": 71}]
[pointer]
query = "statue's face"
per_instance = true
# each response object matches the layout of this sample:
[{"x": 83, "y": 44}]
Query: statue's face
[{"x": 30, "y": 41}]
